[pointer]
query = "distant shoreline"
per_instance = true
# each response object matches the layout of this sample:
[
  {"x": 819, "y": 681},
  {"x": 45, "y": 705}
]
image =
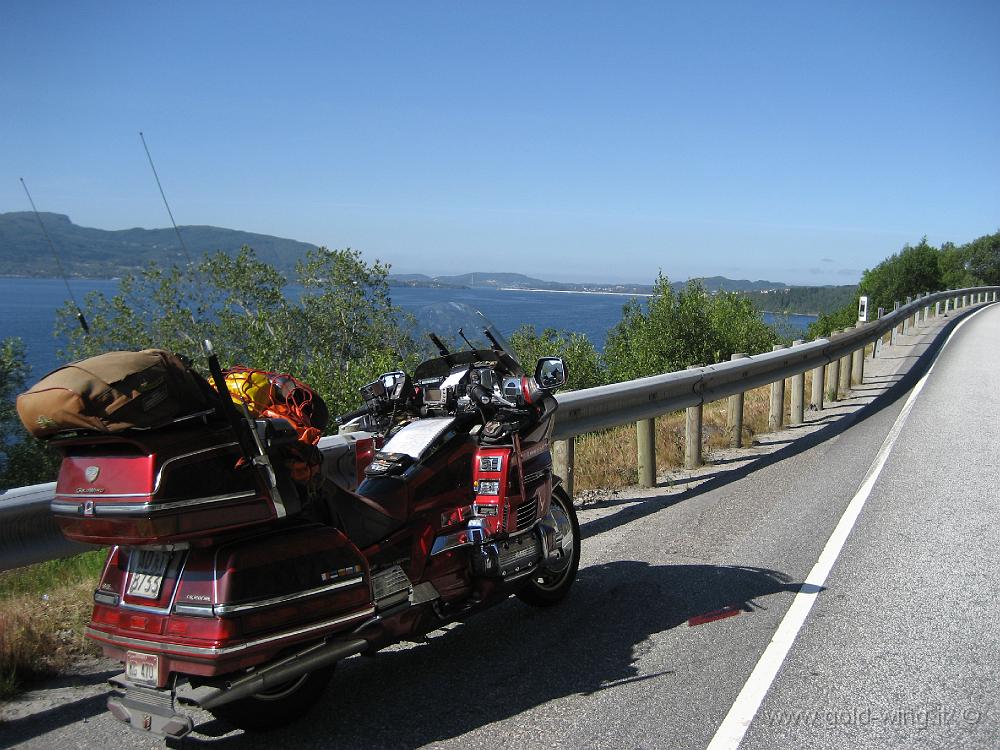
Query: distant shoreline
[
  {"x": 566, "y": 291},
  {"x": 623, "y": 294}
]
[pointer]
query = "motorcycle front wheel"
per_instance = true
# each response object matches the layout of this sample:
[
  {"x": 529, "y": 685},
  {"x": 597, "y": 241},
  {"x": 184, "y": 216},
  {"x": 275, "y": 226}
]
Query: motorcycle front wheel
[
  {"x": 550, "y": 588},
  {"x": 278, "y": 706}
]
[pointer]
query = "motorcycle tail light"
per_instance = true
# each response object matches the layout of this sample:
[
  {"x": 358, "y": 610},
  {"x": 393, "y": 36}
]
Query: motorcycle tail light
[{"x": 203, "y": 628}]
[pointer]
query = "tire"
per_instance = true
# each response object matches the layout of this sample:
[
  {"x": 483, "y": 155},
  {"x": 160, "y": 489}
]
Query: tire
[
  {"x": 278, "y": 706},
  {"x": 544, "y": 590}
]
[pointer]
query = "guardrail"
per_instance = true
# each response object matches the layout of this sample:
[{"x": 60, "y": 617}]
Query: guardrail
[
  {"x": 641, "y": 401},
  {"x": 28, "y": 533}
]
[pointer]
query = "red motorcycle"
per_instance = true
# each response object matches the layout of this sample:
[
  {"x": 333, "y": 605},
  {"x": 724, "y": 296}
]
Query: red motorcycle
[{"x": 231, "y": 587}]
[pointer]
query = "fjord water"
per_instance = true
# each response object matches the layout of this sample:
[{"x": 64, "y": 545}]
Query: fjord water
[{"x": 28, "y": 310}]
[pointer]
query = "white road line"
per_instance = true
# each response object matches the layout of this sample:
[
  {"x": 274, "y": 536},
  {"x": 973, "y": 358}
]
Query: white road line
[{"x": 733, "y": 728}]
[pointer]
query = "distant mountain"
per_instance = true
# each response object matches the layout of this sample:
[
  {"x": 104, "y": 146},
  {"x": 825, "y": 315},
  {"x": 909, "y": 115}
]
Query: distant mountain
[
  {"x": 722, "y": 284},
  {"x": 102, "y": 253}
]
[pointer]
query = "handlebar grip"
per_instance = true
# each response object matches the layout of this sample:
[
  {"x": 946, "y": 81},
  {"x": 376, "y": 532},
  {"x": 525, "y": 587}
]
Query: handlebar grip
[{"x": 480, "y": 394}]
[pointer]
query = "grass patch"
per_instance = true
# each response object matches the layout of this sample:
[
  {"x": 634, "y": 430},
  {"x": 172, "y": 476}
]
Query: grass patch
[
  {"x": 607, "y": 459},
  {"x": 43, "y": 611}
]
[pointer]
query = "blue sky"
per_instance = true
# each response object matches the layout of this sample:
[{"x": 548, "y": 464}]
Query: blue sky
[{"x": 798, "y": 142}]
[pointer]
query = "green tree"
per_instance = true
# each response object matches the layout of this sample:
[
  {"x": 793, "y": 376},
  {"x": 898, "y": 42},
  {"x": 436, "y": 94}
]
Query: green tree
[
  {"x": 338, "y": 334},
  {"x": 23, "y": 459},
  {"x": 982, "y": 256},
  {"x": 913, "y": 270},
  {"x": 682, "y": 328},
  {"x": 583, "y": 362},
  {"x": 827, "y": 323}
]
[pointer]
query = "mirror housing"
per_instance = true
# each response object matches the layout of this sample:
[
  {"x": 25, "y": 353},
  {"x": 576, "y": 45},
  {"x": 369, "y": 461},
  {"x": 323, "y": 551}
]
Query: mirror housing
[{"x": 550, "y": 373}]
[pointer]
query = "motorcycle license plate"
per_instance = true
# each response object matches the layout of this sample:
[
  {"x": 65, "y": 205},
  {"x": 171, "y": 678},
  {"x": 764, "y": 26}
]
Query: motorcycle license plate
[
  {"x": 146, "y": 569},
  {"x": 144, "y": 668}
]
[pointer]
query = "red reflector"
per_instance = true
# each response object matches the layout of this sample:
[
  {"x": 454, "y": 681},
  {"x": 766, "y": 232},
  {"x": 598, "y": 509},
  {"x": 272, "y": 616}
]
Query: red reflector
[
  {"x": 138, "y": 623},
  {"x": 106, "y": 615},
  {"x": 719, "y": 614}
]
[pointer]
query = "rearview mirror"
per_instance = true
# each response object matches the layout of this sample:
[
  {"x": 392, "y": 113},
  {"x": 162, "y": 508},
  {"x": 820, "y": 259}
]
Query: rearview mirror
[{"x": 550, "y": 373}]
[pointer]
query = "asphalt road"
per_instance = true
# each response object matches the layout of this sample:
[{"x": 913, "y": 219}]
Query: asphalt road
[{"x": 681, "y": 591}]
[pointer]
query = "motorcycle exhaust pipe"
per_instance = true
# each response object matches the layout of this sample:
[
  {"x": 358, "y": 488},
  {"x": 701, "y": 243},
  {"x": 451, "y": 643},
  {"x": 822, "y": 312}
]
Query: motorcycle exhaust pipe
[{"x": 316, "y": 657}]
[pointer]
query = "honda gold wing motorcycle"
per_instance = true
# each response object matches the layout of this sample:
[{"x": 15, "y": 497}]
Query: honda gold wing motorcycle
[{"x": 236, "y": 580}]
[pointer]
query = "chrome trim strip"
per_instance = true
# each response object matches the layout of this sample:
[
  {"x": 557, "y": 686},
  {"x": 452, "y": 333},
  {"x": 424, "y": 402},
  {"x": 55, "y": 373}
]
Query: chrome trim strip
[
  {"x": 535, "y": 475},
  {"x": 124, "y": 509},
  {"x": 475, "y": 532},
  {"x": 196, "y": 610},
  {"x": 124, "y": 642},
  {"x": 225, "y": 609},
  {"x": 94, "y": 495},
  {"x": 57, "y": 507}
]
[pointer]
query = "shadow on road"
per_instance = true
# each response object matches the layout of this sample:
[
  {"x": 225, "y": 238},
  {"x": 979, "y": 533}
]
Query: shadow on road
[
  {"x": 17, "y": 731},
  {"x": 514, "y": 658},
  {"x": 498, "y": 664}
]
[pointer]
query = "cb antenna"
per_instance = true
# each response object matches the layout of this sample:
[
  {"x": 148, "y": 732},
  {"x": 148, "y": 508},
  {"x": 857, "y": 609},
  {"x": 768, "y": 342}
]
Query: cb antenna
[
  {"x": 177, "y": 231},
  {"x": 62, "y": 273},
  {"x": 164, "y": 196}
]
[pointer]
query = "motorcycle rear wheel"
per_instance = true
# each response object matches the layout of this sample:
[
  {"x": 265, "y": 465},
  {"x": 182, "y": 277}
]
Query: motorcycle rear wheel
[
  {"x": 278, "y": 706},
  {"x": 551, "y": 588}
]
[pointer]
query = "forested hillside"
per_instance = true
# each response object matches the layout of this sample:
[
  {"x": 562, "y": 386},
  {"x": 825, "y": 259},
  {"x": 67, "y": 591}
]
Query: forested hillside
[
  {"x": 101, "y": 253},
  {"x": 806, "y": 300}
]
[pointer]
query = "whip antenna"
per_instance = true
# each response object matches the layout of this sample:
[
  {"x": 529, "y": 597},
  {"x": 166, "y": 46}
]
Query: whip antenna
[
  {"x": 177, "y": 231},
  {"x": 164, "y": 196},
  {"x": 62, "y": 273}
]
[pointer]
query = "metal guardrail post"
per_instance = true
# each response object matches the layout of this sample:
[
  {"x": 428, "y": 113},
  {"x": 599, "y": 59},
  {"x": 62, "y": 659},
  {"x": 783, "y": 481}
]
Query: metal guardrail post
[
  {"x": 858, "y": 363},
  {"x": 844, "y": 384},
  {"x": 645, "y": 433},
  {"x": 796, "y": 414},
  {"x": 896, "y": 330},
  {"x": 833, "y": 378},
  {"x": 734, "y": 421},
  {"x": 776, "y": 416},
  {"x": 563, "y": 460},
  {"x": 816, "y": 398},
  {"x": 692, "y": 434},
  {"x": 937, "y": 309}
]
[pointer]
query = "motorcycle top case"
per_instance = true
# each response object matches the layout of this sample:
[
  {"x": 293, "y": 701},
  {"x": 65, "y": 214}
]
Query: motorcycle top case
[
  {"x": 114, "y": 391},
  {"x": 160, "y": 487}
]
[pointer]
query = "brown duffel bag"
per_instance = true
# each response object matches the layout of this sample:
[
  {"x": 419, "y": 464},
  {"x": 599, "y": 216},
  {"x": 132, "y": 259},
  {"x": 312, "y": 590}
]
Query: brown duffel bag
[{"x": 114, "y": 391}]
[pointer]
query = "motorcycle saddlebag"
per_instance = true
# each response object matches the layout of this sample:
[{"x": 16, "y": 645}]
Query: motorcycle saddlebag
[{"x": 113, "y": 392}]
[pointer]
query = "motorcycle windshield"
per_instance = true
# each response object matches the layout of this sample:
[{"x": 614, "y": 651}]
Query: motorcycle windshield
[{"x": 467, "y": 335}]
